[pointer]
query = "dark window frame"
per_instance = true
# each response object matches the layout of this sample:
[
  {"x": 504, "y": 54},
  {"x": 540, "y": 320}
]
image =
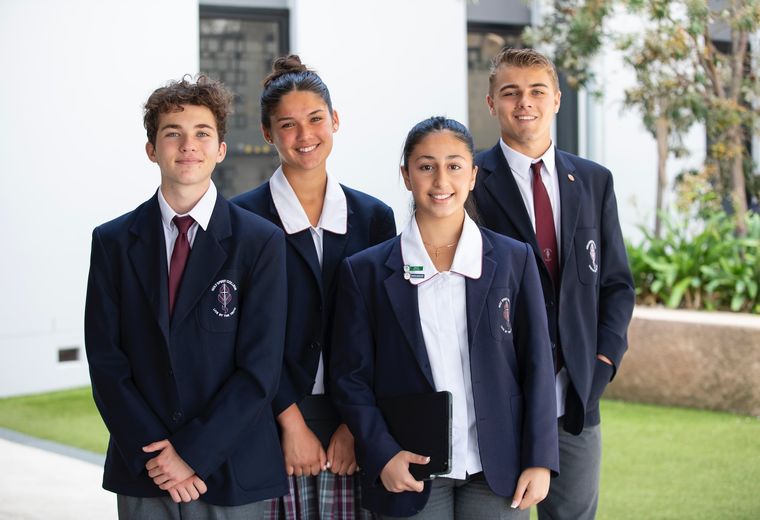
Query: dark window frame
[
  {"x": 245, "y": 168},
  {"x": 258, "y": 14}
]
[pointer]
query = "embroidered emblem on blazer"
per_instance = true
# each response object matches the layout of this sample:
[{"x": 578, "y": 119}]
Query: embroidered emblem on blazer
[
  {"x": 226, "y": 298},
  {"x": 506, "y": 325},
  {"x": 591, "y": 248}
]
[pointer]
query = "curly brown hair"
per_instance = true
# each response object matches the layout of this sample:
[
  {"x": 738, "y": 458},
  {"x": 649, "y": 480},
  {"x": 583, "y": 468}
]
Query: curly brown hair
[
  {"x": 202, "y": 91},
  {"x": 521, "y": 58}
]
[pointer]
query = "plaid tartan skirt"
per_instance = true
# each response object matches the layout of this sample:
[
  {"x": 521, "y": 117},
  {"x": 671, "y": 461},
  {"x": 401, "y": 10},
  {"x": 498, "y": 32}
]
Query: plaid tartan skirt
[{"x": 324, "y": 497}]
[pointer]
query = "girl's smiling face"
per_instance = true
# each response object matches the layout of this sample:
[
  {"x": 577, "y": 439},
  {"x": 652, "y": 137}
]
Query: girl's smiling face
[
  {"x": 440, "y": 174},
  {"x": 302, "y": 131}
]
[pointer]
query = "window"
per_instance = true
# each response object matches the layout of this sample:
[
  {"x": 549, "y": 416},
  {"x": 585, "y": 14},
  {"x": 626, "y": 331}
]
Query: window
[
  {"x": 484, "y": 41},
  {"x": 237, "y": 46}
]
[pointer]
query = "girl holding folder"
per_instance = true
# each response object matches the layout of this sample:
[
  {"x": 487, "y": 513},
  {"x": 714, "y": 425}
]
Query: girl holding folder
[
  {"x": 324, "y": 222},
  {"x": 447, "y": 305}
]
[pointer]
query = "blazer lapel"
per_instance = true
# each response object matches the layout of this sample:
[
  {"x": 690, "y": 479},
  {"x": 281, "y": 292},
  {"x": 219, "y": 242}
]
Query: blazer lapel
[
  {"x": 304, "y": 245},
  {"x": 148, "y": 257},
  {"x": 301, "y": 242},
  {"x": 207, "y": 257},
  {"x": 334, "y": 247},
  {"x": 403, "y": 298},
  {"x": 477, "y": 291},
  {"x": 504, "y": 190},
  {"x": 570, "y": 197}
]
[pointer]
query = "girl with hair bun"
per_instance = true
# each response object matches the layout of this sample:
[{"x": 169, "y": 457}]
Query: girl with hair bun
[
  {"x": 447, "y": 306},
  {"x": 324, "y": 222}
]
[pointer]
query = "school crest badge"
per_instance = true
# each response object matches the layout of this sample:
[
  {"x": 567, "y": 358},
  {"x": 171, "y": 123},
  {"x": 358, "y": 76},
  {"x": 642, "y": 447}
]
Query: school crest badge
[
  {"x": 591, "y": 248},
  {"x": 226, "y": 298},
  {"x": 506, "y": 324}
]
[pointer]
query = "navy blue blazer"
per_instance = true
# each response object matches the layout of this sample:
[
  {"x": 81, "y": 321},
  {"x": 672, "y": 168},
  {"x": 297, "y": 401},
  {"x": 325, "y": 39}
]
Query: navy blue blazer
[
  {"x": 379, "y": 351},
  {"x": 590, "y": 311},
  {"x": 204, "y": 379},
  {"x": 311, "y": 289}
]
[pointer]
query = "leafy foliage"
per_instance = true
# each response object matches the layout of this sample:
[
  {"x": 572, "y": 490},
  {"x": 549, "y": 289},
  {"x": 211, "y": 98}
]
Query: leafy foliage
[
  {"x": 701, "y": 265},
  {"x": 683, "y": 74}
]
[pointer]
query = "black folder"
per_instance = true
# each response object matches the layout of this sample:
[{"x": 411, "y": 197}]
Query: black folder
[{"x": 421, "y": 423}]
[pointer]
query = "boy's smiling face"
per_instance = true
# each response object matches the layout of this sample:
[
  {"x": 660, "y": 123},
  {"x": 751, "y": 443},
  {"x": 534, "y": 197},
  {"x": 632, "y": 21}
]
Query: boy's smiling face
[{"x": 187, "y": 147}]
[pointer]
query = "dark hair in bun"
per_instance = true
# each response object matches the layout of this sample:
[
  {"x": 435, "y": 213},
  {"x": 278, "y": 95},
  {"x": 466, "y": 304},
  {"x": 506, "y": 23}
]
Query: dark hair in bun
[
  {"x": 288, "y": 75},
  {"x": 436, "y": 124}
]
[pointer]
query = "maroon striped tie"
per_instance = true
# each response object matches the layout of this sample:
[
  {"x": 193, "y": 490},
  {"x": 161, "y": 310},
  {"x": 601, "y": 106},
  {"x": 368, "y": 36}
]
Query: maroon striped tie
[
  {"x": 545, "y": 232},
  {"x": 179, "y": 257}
]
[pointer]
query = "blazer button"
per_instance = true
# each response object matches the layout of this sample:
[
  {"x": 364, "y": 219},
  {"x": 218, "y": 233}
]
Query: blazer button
[
  {"x": 314, "y": 345},
  {"x": 177, "y": 416},
  {"x": 550, "y": 304}
]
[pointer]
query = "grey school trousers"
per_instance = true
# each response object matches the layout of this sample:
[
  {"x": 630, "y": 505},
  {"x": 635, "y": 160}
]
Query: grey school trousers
[
  {"x": 574, "y": 494},
  {"x": 164, "y": 508}
]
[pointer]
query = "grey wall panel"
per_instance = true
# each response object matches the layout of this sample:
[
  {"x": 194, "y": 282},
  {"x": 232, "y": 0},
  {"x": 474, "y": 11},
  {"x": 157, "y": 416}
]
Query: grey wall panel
[{"x": 513, "y": 12}]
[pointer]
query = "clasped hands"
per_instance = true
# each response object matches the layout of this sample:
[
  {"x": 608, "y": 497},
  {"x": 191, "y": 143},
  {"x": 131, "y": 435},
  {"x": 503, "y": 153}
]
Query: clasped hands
[
  {"x": 532, "y": 486},
  {"x": 304, "y": 454},
  {"x": 172, "y": 474}
]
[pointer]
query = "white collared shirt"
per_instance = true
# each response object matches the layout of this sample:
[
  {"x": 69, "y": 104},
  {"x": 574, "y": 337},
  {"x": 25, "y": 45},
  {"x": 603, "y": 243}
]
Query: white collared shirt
[
  {"x": 334, "y": 218},
  {"x": 520, "y": 166},
  {"x": 201, "y": 214},
  {"x": 442, "y": 305}
]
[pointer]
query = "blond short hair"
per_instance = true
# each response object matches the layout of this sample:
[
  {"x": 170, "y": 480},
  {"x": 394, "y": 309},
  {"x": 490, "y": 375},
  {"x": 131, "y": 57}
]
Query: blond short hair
[{"x": 522, "y": 58}]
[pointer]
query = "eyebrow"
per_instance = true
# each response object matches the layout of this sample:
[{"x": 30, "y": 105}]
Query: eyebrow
[
  {"x": 532, "y": 85},
  {"x": 431, "y": 158},
  {"x": 285, "y": 118},
  {"x": 178, "y": 127}
]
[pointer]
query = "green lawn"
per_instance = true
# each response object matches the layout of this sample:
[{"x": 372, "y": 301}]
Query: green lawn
[
  {"x": 675, "y": 463},
  {"x": 68, "y": 417},
  {"x": 658, "y": 463}
]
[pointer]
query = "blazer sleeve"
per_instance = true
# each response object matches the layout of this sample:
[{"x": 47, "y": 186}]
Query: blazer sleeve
[
  {"x": 539, "y": 431},
  {"x": 131, "y": 422},
  {"x": 287, "y": 393},
  {"x": 211, "y": 437},
  {"x": 352, "y": 373},
  {"x": 616, "y": 292}
]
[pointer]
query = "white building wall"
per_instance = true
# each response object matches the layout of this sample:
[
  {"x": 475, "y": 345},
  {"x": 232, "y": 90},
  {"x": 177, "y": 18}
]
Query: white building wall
[
  {"x": 77, "y": 73},
  {"x": 388, "y": 65},
  {"x": 72, "y": 136},
  {"x": 75, "y": 76}
]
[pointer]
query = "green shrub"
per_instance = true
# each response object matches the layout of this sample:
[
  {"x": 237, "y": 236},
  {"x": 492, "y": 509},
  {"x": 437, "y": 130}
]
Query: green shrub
[{"x": 699, "y": 264}]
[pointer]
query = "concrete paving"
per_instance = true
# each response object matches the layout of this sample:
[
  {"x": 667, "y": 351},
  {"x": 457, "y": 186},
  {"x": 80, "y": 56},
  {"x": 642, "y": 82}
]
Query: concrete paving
[{"x": 41, "y": 480}]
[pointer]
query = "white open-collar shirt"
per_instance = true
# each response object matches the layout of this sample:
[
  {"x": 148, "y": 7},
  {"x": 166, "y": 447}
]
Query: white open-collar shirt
[
  {"x": 334, "y": 218},
  {"x": 201, "y": 214},
  {"x": 442, "y": 308},
  {"x": 520, "y": 166}
]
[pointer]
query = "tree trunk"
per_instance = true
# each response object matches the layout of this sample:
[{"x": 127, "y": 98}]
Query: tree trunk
[
  {"x": 662, "y": 133},
  {"x": 738, "y": 188}
]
